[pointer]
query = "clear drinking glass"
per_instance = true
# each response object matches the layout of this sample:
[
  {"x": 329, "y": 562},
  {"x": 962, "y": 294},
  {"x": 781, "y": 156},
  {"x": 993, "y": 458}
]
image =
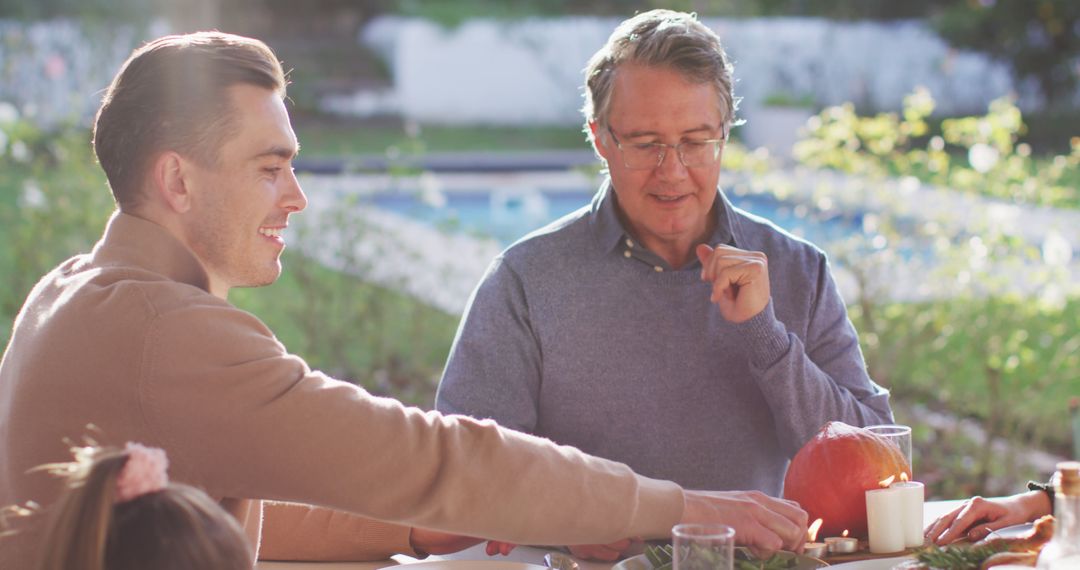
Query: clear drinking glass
[
  {"x": 898, "y": 435},
  {"x": 703, "y": 547}
]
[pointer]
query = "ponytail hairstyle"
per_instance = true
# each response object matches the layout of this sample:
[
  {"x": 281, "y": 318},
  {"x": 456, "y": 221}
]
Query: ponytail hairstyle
[{"x": 120, "y": 512}]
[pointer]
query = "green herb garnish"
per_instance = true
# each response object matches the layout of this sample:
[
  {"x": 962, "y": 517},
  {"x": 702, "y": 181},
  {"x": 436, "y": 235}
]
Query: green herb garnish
[
  {"x": 958, "y": 557},
  {"x": 659, "y": 556},
  {"x": 745, "y": 561}
]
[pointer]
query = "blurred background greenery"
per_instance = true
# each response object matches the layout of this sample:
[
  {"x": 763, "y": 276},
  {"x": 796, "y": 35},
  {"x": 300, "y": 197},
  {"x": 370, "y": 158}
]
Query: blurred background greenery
[{"x": 982, "y": 356}]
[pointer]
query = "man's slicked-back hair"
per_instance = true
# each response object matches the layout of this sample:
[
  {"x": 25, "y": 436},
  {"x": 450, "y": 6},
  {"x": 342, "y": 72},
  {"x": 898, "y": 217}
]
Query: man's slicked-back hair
[
  {"x": 172, "y": 94},
  {"x": 665, "y": 39}
]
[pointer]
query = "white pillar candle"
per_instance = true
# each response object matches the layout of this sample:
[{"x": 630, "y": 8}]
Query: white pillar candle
[
  {"x": 912, "y": 495},
  {"x": 885, "y": 520}
]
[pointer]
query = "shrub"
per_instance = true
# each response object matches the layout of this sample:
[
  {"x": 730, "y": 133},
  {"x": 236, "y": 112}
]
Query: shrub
[
  {"x": 53, "y": 203},
  {"x": 996, "y": 337}
]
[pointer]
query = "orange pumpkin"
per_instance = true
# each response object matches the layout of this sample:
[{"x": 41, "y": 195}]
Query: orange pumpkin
[{"x": 830, "y": 475}]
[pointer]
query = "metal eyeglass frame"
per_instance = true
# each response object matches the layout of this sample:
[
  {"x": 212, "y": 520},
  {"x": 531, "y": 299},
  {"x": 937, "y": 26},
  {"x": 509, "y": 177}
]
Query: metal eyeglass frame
[{"x": 661, "y": 150}]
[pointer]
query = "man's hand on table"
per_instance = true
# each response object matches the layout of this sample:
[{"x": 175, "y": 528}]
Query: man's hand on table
[
  {"x": 740, "y": 280},
  {"x": 425, "y": 541},
  {"x": 764, "y": 524},
  {"x": 975, "y": 518}
]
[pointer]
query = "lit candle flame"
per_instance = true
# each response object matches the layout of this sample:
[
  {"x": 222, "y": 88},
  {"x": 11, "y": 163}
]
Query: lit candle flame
[
  {"x": 844, "y": 533},
  {"x": 811, "y": 532},
  {"x": 903, "y": 476},
  {"x": 885, "y": 484}
]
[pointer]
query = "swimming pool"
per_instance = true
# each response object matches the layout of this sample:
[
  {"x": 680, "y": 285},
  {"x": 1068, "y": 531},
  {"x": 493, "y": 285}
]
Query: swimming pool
[{"x": 508, "y": 215}]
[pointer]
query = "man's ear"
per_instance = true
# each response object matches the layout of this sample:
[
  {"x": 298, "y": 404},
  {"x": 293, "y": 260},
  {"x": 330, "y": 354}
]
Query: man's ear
[
  {"x": 170, "y": 180},
  {"x": 599, "y": 140}
]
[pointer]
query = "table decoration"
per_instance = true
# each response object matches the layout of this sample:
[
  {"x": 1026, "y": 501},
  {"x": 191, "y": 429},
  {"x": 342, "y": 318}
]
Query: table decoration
[{"x": 884, "y": 518}]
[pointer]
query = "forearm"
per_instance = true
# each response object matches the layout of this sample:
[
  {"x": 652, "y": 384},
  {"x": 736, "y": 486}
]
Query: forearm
[
  {"x": 1036, "y": 503},
  {"x": 273, "y": 429},
  {"x": 292, "y": 531},
  {"x": 804, "y": 395},
  {"x": 423, "y": 469}
]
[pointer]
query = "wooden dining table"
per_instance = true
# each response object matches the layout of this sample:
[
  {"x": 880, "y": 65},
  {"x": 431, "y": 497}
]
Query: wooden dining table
[{"x": 533, "y": 555}]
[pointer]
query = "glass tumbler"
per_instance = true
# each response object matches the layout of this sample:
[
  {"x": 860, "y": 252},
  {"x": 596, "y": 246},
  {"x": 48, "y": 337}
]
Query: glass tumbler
[{"x": 703, "y": 547}]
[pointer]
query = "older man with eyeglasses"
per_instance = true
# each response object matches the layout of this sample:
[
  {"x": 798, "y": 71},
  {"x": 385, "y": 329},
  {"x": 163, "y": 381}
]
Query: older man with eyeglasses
[{"x": 661, "y": 326}]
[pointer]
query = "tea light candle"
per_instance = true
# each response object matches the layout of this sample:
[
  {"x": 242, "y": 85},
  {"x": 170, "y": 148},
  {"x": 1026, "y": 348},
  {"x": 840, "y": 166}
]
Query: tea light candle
[
  {"x": 884, "y": 520},
  {"x": 912, "y": 496},
  {"x": 842, "y": 544},
  {"x": 812, "y": 548}
]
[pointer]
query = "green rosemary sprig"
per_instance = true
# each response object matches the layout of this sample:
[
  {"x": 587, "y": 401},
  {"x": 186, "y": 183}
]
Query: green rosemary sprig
[{"x": 957, "y": 557}]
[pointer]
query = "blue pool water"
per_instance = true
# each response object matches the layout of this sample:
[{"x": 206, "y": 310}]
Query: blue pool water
[{"x": 508, "y": 216}]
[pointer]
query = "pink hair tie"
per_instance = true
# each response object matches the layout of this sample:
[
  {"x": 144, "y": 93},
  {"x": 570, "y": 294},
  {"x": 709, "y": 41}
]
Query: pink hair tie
[{"x": 143, "y": 473}]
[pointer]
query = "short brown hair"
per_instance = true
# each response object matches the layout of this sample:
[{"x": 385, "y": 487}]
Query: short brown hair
[
  {"x": 659, "y": 38},
  {"x": 171, "y": 95}
]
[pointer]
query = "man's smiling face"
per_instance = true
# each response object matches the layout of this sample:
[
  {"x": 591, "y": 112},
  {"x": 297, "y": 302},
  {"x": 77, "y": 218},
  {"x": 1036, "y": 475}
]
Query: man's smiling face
[{"x": 241, "y": 205}]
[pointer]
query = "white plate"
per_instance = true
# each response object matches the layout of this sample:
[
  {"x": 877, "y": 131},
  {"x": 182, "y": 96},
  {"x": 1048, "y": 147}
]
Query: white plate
[
  {"x": 1012, "y": 531},
  {"x": 468, "y": 565},
  {"x": 875, "y": 564}
]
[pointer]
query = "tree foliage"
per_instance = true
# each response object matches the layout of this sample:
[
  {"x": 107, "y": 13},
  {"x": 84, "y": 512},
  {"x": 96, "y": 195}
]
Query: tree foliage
[
  {"x": 1040, "y": 39},
  {"x": 101, "y": 10}
]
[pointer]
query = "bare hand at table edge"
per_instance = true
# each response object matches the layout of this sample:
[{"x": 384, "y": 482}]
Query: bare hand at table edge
[
  {"x": 764, "y": 524},
  {"x": 426, "y": 542},
  {"x": 974, "y": 519},
  {"x": 498, "y": 547},
  {"x": 740, "y": 280}
]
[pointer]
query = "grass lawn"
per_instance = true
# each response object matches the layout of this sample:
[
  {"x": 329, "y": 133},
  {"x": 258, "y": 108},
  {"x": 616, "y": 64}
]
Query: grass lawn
[
  {"x": 320, "y": 138},
  {"x": 353, "y": 330}
]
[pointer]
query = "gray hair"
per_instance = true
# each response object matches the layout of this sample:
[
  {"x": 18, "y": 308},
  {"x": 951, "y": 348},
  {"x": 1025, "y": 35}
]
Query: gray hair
[{"x": 659, "y": 38}]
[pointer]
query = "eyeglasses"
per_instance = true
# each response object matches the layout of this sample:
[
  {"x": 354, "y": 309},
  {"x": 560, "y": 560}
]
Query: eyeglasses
[{"x": 691, "y": 153}]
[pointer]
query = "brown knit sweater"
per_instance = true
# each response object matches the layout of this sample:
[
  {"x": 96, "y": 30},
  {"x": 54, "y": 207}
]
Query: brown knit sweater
[{"x": 128, "y": 339}]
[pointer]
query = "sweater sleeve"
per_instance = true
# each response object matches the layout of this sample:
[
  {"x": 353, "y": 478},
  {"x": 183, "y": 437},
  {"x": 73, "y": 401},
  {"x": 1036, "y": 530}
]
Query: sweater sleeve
[
  {"x": 808, "y": 384},
  {"x": 496, "y": 322},
  {"x": 291, "y": 531},
  {"x": 243, "y": 418}
]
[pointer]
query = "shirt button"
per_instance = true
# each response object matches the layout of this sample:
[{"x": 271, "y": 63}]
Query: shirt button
[
  {"x": 629, "y": 242},
  {"x": 658, "y": 269},
  {"x": 626, "y": 253}
]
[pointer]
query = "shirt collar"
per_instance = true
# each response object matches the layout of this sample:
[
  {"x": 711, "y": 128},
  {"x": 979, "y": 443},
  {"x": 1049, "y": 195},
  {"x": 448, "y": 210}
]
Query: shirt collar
[
  {"x": 609, "y": 231},
  {"x": 130, "y": 240}
]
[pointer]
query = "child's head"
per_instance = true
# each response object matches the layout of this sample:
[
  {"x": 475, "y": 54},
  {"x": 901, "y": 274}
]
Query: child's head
[{"x": 120, "y": 512}]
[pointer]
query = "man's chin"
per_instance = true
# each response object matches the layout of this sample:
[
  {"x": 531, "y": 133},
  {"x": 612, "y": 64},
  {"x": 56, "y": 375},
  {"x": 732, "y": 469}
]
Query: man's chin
[
  {"x": 676, "y": 231},
  {"x": 263, "y": 279}
]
